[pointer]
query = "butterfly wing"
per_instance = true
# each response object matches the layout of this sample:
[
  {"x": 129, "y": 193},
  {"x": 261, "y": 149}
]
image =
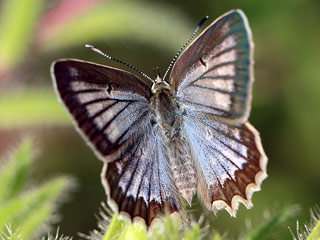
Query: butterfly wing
[
  {"x": 110, "y": 106},
  {"x": 140, "y": 181},
  {"x": 230, "y": 162},
  {"x": 214, "y": 74},
  {"x": 212, "y": 81},
  {"x": 111, "y": 111}
]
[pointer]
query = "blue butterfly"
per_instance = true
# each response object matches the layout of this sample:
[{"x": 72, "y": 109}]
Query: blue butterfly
[{"x": 165, "y": 141}]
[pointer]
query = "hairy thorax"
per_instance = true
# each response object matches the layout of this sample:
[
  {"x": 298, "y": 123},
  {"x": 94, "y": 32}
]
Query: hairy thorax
[{"x": 166, "y": 111}]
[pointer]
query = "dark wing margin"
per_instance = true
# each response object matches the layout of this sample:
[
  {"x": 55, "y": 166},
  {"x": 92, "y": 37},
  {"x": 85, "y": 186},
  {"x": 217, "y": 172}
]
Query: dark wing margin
[
  {"x": 231, "y": 162},
  {"x": 109, "y": 106},
  {"x": 139, "y": 183},
  {"x": 214, "y": 74}
]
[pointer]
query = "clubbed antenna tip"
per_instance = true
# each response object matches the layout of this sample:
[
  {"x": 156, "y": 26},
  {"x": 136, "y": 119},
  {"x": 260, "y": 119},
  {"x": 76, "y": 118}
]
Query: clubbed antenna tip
[{"x": 202, "y": 21}]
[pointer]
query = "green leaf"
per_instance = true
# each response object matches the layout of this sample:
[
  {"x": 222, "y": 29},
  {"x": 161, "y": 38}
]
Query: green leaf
[
  {"x": 124, "y": 230},
  {"x": 315, "y": 234},
  {"x": 311, "y": 230},
  {"x": 14, "y": 172},
  {"x": 267, "y": 228},
  {"x": 136, "y": 231},
  {"x": 168, "y": 228},
  {"x": 10, "y": 234},
  {"x": 217, "y": 237},
  {"x": 25, "y": 214},
  {"x": 194, "y": 233},
  {"x": 27, "y": 211},
  {"x": 30, "y": 228},
  {"x": 57, "y": 236},
  {"x": 33, "y": 209},
  {"x": 115, "y": 228},
  {"x": 17, "y": 22}
]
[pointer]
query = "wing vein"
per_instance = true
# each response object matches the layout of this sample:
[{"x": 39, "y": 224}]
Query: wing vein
[
  {"x": 218, "y": 90},
  {"x": 211, "y": 107},
  {"x": 114, "y": 117},
  {"x": 236, "y": 152},
  {"x": 221, "y": 39},
  {"x": 135, "y": 169},
  {"x": 223, "y": 133},
  {"x": 103, "y": 100},
  {"x": 218, "y": 77},
  {"x": 125, "y": 132},
  {"x": 236, "y": 46}
]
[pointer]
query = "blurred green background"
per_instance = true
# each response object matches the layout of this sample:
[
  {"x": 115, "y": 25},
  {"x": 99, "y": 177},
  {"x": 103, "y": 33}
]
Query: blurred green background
[{"x": 286, "y": 96}]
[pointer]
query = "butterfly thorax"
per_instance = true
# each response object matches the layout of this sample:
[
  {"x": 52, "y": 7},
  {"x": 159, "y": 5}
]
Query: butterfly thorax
[{"x": 164, "y": 105}]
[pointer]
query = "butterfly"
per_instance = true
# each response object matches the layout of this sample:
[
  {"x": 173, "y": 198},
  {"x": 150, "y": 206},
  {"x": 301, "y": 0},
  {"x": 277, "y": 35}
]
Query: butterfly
[{"x": 163, "y": 142}]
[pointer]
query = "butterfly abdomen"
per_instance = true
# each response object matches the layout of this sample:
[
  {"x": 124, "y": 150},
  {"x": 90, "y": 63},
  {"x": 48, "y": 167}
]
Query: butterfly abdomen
[
  {"x": 168, "y": 117},
  {"x": 182, "y": 165}
]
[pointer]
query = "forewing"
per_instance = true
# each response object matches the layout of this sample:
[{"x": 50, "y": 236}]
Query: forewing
[
  {"x": 140, "y": 182},
  {"x": 229, "y": 160},
  {"x": 110, "y": 106},
  {"x": 214, "y": 74}
]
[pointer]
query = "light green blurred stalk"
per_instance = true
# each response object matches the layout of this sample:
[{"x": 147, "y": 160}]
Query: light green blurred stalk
[
  {"x": 17, "y": 22},
  {"x": 31, "y": 107}
]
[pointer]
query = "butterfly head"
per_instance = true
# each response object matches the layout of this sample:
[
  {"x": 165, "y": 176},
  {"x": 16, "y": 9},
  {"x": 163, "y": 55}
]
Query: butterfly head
[{"x": 159, "y": 84}]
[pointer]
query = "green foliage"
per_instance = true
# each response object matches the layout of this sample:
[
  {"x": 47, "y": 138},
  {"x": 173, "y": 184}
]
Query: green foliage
[
  {"x": 194, "y": 233},
  {"x": 311, "y": 230},
  {"x": 57, "y": 236},
  {"x": 10, "y": 235},
  {"x": 24, "y": 213},
  {"x": 111, "y": 226},
  {"x": 31, "y": 107},
  {"x": 17, "y": 22},
  {"x": 174, "y": 229},
  {"x": 168, "y": 229},
  {"x": 315, "y": 234},
  {"x": 171, "y": 228},
  {"x": 269, "y": 226},
  {"x": 14, "y": 172}
]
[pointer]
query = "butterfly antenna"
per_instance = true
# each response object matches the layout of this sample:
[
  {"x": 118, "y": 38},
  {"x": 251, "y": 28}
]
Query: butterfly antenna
[
  {"x": 118, "y": 61},
  {"x": 184, "y": 45}
]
